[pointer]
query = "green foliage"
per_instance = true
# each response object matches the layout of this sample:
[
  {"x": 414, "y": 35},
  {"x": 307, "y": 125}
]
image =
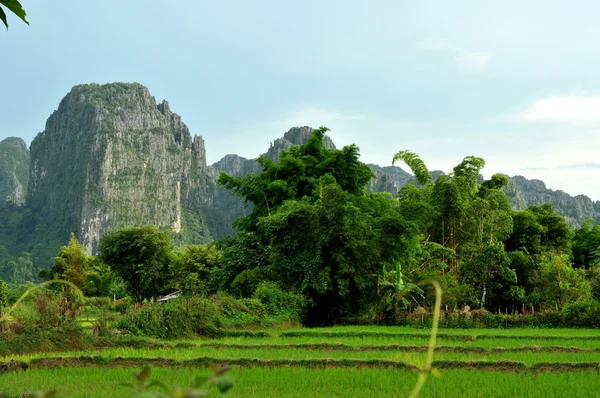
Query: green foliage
[
  {"x": 489, "y": 270},
  {"x": 586, "y": 245},
  {"x": 90, "y": 275},
  {"x": 302, "y": 172},
  {"x": 581, "y": 314},
  {"x": 190, "y": 268},
  {"x": 174, "y": 319},
  {"x": 557, "y": 234},
  {"x": 15, "y": 7},
  {"x": 192, "y": 316},
  {"x": 416, "y": 165},
  {"x": 466, "y": 174},
  {"x": 276, "y": 302},
  {"x": 394, "y": 286},
  {"x": 315, "y": 230},
  {"x": 140, "y": 256},
  {"x": 243, "y": 263},
  {"x": 558, "y": 283}
]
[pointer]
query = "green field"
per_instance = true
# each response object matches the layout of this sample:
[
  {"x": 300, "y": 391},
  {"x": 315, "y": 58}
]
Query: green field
[{"x": 341, "y": 361}]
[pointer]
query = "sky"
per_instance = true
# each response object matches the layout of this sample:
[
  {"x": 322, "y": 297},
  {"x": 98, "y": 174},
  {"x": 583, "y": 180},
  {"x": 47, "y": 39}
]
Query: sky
[{"x": 514, "y": 82}]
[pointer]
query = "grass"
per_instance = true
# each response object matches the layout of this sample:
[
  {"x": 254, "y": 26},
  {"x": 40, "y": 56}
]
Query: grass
[
  {"x": 303, "y": 382},
  {"x": 528, "y": 358},
  {"x": 471, "y": 331},
  {"x": 340, "y": 361}
]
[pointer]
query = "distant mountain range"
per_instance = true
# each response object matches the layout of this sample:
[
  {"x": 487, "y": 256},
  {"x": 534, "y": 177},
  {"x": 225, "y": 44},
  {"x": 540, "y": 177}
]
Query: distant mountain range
[{"x": 110, "y": 156}]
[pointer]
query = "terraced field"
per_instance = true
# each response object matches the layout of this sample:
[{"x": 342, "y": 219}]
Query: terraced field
[{"x": 349, "y": 361}]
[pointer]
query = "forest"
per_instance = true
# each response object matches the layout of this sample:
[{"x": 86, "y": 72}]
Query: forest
[{"x": 343, "y": 255}]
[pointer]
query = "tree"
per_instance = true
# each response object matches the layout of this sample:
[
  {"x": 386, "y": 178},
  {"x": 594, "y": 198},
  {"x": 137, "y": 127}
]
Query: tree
[
  {"x": 558, "y": 283},
  {"x": 527, "y": 233},
  {"x": 71, "y": 264},
  {"x": 586, "y": 245},
  {"x": 140, "y": 256},
  {"x": 191, "y": 266},
  {"x": 316, "y": 231},
  {"x": 556, "y": 234},
  {"x": 489, "y": 271},
  {"x": 15, "y": 7}
]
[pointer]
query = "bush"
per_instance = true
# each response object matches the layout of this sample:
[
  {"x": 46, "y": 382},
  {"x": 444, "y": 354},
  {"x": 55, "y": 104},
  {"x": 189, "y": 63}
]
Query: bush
[
  {"x": 44, "y": 321},
  {"x": 195, "y": 315},
  {"x": 234, "y": 312},
  {"x": 581, "y": 315},
  {"x": 44, "y": 309},
  {"x": 276, "y": 302},
  {"x": 66, "y": 337},
  {"x": 182, "y": 317}
]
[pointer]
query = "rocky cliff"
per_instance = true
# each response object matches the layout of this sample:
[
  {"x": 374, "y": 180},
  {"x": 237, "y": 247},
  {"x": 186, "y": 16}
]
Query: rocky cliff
[
  {"x": 14, "y": 170},
  {"x": 523, "y": 193},
  {"x": 110, "y": 156}
]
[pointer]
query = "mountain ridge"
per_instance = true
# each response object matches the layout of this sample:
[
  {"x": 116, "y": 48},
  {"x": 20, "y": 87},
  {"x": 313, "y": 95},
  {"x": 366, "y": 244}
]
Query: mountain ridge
[{"x": 112, "y": 156}]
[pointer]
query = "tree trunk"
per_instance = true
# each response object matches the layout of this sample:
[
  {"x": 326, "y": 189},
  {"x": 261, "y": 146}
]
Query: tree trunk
[{"x": 483, "y": 296}]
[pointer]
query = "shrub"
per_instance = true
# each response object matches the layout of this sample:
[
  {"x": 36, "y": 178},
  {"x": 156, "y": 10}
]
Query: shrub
[
  {"x": 195, "y": 315},
  {"x": 234, "y": 312},
  {"x": 182, "y": 317},
  {"x": 581, "y": 315},
  {"x": 44, "y": 309},
  {"x": 276, "y": 302}
]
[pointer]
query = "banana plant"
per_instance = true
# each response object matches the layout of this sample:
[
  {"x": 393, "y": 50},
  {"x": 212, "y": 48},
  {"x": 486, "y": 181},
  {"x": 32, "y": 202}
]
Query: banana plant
[{"x": 396, "y": 287}]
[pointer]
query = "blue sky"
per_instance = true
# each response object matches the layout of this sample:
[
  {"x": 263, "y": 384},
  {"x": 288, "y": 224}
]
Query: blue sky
[{"x": 515, "y": 82}]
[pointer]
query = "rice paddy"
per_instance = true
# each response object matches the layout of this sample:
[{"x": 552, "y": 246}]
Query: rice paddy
[{"x": 341, "y": 361}]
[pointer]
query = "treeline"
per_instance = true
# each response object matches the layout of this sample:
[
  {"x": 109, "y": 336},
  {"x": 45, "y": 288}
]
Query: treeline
[{"x": 353, "y": 256}]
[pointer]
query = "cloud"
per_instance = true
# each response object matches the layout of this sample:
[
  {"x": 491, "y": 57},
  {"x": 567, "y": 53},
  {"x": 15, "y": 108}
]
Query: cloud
[
  {"x": 472, "y": 62},
  {"x": 565, "y": 108}
]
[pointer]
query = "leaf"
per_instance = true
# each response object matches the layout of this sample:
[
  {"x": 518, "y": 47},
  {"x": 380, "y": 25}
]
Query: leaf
[
  {"x": 435, "y": 373},
  {"x": 416, "y": 165},
  {"x": 16, "y": 8},
  {"x": 143, "y": 374},
  {"x": 3, "y": 17}
]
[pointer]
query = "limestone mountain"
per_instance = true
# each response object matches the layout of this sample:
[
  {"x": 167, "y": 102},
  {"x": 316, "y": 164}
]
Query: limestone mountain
[
  {"x": 110, "y": 156},
  {"x": 14, "y": 170},
  {"x": 523, "y": 193}
]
